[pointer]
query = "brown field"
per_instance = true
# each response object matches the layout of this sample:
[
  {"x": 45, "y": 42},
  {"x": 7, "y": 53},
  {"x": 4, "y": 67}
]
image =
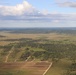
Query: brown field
[
  {"x": 33, "y": 36},
  {"x": 50, "y": 36},
  {"x": 35, "y": 68}
]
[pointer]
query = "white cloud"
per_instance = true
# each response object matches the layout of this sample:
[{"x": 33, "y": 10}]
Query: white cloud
[
  {"x": 26, "y": 12},
  {"x": 19, "y": 9},
  {"x": 45, "y": 12},
  {"x": 56, "y": 21}
]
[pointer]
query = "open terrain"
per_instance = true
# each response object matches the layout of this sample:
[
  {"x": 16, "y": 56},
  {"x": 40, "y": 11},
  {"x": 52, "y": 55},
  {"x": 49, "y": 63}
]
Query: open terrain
[
  {"x": 33, "y": 68},
  {"x": 37, "y": 52}
]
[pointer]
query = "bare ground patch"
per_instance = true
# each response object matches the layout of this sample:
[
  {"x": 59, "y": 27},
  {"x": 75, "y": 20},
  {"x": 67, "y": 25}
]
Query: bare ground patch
[{"x": 36, "y": 68}]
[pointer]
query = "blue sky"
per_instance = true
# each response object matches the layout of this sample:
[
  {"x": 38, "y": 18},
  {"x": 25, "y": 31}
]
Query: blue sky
[
  {"x": 55, "y": 13},
  {"x": 42, "y": 5}
]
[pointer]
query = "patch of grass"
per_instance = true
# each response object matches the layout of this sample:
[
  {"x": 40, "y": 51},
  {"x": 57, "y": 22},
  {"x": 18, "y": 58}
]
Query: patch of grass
[
  {"x": 59, "y": 68},
  {"x": 37, "y": 49}
]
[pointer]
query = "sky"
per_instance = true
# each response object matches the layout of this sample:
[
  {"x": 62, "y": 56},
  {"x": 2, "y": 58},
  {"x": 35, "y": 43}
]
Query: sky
[{"x": 37, "y": 13}]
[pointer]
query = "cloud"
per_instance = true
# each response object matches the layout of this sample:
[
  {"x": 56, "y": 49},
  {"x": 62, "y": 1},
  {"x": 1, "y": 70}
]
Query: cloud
[
  {"x": 19, "y": 9},
  {"x": 26, "y": 12},
  {"x": 68, "y": 4},
  {"x": 59, "y": 1}
]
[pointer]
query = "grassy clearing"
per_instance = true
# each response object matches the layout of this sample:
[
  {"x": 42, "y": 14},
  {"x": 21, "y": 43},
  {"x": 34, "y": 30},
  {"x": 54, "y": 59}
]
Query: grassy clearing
[
  {"x": 36, "y": 49},
  {"x": 59, "y": 68}
]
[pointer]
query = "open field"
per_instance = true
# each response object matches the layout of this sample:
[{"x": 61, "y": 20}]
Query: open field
[
  {"x": 51, "y": 36},
  {"x": 33, "y": 36},
  {"x": 59, "y": 68},
  {"x": 33, "y": 68}
]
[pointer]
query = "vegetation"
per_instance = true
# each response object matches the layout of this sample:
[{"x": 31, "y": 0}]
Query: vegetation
[{"x": 61, "y": 52}]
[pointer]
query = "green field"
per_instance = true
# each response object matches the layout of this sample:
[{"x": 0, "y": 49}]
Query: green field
[{"x": 59, "y": 68}]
